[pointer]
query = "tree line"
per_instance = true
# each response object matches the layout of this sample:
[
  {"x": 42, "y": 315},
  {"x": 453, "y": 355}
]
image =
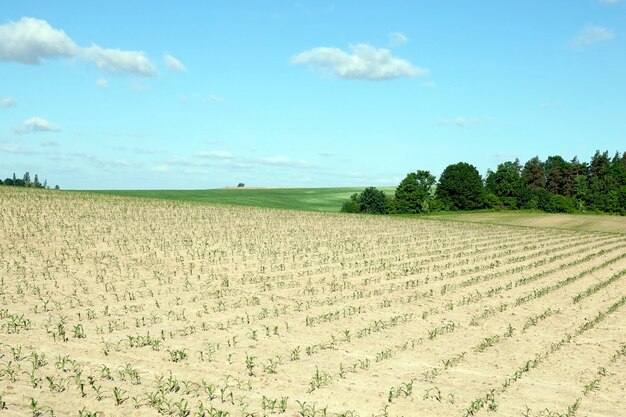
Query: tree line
[
  {"x": 26, "y": 181},
  {"x": 554, "y": 185}
]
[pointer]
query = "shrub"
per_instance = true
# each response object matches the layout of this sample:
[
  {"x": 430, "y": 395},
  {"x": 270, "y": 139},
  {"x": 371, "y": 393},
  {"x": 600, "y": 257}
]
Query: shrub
[
  {"x": 370, "y": 200},
  {"x": 555, "y": 203},
  {"x": 351, "y": 205}
]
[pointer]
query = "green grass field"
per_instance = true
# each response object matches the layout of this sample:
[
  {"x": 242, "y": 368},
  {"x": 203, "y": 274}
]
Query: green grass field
[{"x": 308, "y": 199}]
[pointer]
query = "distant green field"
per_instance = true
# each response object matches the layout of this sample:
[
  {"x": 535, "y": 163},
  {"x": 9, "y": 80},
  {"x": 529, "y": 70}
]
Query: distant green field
[{"x": 310, "y": 199}]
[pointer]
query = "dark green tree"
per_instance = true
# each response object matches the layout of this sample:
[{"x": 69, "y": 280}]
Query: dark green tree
[
  {"x": 581, "y": 190},
  {"x": 413, "y": 194},
  {"x": 372, "y": 201},
  {"x": 506, "y": 183},
  {"x": 618, "y": 169},
  {"x": 599, "y": 179},
  {"x": 556, "y": 174},
  {"x": 533, "y": 174},
  {"x": 576, "y": 174},
  {"x": 461, "y": 187}
]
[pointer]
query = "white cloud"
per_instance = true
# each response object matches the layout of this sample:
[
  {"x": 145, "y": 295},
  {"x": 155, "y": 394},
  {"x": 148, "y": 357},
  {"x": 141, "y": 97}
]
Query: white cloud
[
  {"x": 174, "y": 64},
  {"x": 16, "y": 149},
  {"x": 32, "y": 41},
  {"x": 364, "y": 63},
  {"x": 592, "y": 35},
  {"x": 461, "y": 121},
  {"x": 102, "y": 83},
  {"x": 117, "y": 61},
  {"x": 7, "y": 102},
  {"x": 397, "y": 39},
  {"x": 36, "y": 124}
]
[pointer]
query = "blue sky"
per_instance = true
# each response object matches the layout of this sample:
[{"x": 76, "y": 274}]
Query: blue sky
[{"x": 150, "y": 95}]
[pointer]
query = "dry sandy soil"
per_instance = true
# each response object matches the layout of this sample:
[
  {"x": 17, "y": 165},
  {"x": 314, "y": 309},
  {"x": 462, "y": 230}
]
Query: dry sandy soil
[{"x": 116, "y": 306}]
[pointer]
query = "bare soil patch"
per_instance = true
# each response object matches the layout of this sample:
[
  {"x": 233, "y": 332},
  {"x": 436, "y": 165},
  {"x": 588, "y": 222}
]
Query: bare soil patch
[{"x": 584, "y": 222}]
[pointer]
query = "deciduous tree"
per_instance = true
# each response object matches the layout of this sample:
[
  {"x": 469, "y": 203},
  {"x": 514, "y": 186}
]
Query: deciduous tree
[
  {"x": 461, "y": 187},
  {"x": 413, "y": 194}
]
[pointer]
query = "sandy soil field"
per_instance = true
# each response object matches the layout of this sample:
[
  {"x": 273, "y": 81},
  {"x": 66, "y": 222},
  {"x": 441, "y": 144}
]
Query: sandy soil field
[
  {"x": 113, "y": 306},
  {"x": 581, "y": 222}
]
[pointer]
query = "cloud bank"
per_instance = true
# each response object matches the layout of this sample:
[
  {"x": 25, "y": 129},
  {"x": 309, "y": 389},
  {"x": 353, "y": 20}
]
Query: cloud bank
[
  {"x": 32, "y": 41},
  {"x": 364, "y": 62}
]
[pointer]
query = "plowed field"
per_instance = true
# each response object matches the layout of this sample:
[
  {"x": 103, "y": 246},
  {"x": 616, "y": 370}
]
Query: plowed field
[{"x": 116, "y": 306}]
